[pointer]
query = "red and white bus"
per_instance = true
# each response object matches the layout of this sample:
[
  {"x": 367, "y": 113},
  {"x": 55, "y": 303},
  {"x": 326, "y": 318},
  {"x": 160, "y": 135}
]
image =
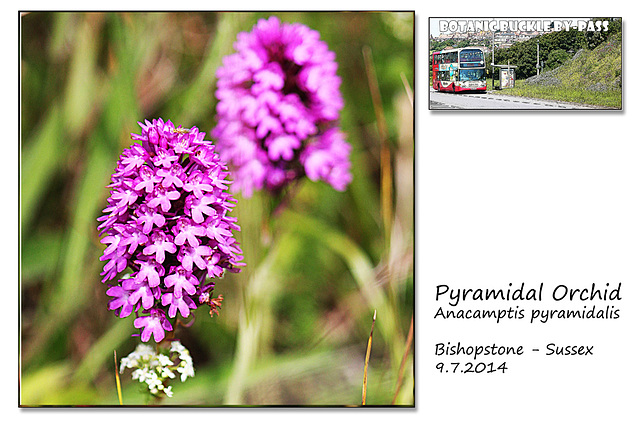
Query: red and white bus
[{"x": 459, "y": 70}]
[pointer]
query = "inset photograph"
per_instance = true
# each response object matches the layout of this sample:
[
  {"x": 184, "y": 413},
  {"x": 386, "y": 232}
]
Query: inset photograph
[{"x": 525, "y": 63}]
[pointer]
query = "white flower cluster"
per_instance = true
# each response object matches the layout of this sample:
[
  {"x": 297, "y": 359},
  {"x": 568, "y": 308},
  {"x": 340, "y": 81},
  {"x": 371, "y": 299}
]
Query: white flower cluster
[
  {"x": 185, "y": 367},
  {"x": 155, "y": 368}
]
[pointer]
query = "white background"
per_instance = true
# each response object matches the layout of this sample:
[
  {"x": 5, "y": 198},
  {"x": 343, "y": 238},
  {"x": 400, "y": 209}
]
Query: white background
[{"x": 540, "y": 197}]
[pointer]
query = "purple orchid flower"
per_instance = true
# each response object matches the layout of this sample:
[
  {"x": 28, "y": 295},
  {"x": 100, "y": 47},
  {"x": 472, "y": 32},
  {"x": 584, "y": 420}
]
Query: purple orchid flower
[
  {"x": 164, "y": 190},
  {"x": 278, "y": 101}
]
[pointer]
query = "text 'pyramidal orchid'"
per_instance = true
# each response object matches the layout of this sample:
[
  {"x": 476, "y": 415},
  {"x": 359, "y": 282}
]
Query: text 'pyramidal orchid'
[
  {"x": 278, "y": 110},
  {"x": 167, "y": 222}
]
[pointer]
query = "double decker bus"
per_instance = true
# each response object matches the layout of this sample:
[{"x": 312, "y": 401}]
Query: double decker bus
[{"x": 459, "y": 70}]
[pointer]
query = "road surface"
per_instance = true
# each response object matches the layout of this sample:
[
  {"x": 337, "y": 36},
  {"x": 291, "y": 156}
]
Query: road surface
[{"x": 495, "y": 101}]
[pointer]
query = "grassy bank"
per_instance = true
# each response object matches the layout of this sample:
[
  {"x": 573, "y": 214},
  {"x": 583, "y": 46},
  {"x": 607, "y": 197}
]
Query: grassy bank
[
  {"x": 602, "y": 98},
  {"x": 590, "y": 77}
]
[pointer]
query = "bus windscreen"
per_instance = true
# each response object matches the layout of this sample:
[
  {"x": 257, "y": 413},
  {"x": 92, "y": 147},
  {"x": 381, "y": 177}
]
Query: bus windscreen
[{"x": 477, "y": 74}]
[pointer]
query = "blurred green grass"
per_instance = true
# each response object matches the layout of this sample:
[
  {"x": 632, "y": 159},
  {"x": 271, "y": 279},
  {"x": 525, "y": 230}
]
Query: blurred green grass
[{"x": 298, "y": 316}]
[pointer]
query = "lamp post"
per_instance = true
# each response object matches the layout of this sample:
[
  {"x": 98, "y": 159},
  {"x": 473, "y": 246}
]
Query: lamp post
[
  {"x": 538, "y": 58},
  {"x": 493, "y": 49}
]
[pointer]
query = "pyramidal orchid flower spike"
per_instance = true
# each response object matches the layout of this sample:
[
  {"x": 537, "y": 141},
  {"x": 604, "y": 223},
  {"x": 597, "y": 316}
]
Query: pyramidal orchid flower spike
[
  {"x": 167, "y": 227},
  {"x": 278, "y": 109}
]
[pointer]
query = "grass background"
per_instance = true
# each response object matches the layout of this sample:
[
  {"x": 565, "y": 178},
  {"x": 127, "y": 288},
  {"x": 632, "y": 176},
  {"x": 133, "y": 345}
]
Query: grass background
[{"x": 294, "y": 325}]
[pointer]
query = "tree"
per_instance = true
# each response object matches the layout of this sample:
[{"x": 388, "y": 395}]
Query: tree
[
  {"x": 595, "y": 38},
  {"x": 556, "y": 58},
  {"x": 524, "y": 54}
]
